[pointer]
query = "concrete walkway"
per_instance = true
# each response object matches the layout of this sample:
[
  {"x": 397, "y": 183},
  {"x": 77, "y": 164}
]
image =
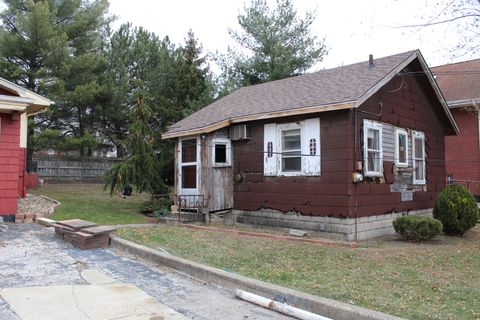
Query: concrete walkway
[{"x": 41, "y": 276}]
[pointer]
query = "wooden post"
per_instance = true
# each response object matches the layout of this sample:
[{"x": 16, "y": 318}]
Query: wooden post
[
  {"x": 179, "y": 200},
  {"x": 58, "y": 168}
]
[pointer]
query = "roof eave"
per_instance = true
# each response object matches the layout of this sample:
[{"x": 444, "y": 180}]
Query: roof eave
[
  {"x": 36, "y": 99},
  {"x": 438, "y": 92},
  {"x": 35, "y": 109},
  {"x": 386, "y": 79},
  {"x": 261, "y": 116}
]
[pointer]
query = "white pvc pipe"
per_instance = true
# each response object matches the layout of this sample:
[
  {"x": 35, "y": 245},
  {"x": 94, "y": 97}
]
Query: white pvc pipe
[{"x": 278, "y": 306}]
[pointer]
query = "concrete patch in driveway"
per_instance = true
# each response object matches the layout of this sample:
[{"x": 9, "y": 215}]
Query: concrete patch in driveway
[{"x": 83, "y": 302}]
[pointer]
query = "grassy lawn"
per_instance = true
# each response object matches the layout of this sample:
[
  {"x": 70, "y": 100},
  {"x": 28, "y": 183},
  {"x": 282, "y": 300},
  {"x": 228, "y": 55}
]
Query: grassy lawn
[
  {"x": 90, "y": 202},
  {"x": 435, "y": 280}
]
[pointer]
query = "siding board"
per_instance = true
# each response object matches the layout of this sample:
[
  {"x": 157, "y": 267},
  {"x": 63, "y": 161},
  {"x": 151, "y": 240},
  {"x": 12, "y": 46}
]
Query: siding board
[{"x": 10, "y": 158}]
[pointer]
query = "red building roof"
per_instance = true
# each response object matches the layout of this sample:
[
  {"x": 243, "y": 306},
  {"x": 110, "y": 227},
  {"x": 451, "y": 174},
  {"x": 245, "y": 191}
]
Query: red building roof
[{"x": 459, "y": 81}]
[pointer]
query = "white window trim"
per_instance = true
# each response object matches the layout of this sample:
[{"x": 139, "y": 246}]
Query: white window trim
[
  {"x": 285, "y": 127},
  {"x": 310, "y": 164},
  {"x": 368, "y": 124},
  {"x": 399, "y": 131},
  {"x": 419, "y": 134},
  {"x": 228, "y": 145}
]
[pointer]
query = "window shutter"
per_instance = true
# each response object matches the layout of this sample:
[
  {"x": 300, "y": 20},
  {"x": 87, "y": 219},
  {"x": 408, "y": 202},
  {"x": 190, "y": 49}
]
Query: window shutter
[
  {"x": 311, "y": 147},
  {"x": 270, "y": 150}
]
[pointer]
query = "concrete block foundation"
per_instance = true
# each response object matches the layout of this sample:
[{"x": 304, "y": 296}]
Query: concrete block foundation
[{"x": 347, "y": 229}]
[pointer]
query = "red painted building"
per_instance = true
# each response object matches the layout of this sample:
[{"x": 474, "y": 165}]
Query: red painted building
[
  {"x": 460, "y": 84},
  {"x": 16, "y": 105}
]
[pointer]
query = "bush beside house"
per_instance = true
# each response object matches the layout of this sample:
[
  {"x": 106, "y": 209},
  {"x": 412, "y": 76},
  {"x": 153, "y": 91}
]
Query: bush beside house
[
  {"x": 417, "y": 228},
  {"x": 457, "y": 209}
]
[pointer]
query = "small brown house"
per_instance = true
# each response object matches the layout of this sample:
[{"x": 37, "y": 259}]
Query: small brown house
[{"x": 339, "y": 152}]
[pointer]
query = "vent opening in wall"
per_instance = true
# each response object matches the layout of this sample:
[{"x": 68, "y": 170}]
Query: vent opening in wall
[{"x": 240, "y": 132}]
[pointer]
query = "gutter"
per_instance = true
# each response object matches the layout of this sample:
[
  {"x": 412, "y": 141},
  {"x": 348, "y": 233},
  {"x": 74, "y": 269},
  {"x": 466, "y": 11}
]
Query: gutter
[
  {"x": 13, "y": 99},
  {"x": 464, "y": 103},
  {"x": 477, "y": 108}
]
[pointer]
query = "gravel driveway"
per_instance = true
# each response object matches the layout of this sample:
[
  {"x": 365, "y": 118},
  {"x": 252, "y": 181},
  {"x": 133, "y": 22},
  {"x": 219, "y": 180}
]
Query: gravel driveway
[{"x": 30, "y": 255}]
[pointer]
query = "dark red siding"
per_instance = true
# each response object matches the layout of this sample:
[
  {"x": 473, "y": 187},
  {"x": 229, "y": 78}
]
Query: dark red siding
[
  {"x": 327, "y": 194},
  {"x": 407, "y": 101},
  {"x": 9, "y": 164},
  {"x": 462, "y": 152}
]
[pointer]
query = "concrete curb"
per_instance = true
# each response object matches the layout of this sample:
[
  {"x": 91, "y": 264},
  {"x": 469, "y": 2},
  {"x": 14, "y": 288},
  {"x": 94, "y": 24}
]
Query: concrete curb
[{"x": 231, "y": 281}]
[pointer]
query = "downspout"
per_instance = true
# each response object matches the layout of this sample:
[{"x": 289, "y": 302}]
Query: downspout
[
  {"x": 477, "y": 107},
  {"x": 24, "y": 175},
  {"x": 355, "y": 117}
]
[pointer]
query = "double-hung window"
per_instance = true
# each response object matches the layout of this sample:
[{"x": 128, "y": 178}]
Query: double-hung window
[
  {"x": 418, "y": 157},
  {"x": 291, "y": 150},
  {"x": 401, "y": 147},
  {"x": 372, "y": 133}
]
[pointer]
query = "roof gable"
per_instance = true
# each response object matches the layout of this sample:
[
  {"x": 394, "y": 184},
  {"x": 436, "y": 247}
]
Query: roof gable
[{"x": 333, "y": 89}]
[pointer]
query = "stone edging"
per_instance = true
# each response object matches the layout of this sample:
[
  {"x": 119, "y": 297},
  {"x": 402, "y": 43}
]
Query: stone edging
[
  {"x": 31, "y": 217},
  {"x": 52, "y": 209},
  {"x": 275, "y": 236},
  {"x": 231, "y": 281}
]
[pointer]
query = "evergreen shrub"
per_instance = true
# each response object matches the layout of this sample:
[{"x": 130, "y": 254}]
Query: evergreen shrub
[
  {"x": 457, "y": 209},
  {"x": 417, "y": 228}
]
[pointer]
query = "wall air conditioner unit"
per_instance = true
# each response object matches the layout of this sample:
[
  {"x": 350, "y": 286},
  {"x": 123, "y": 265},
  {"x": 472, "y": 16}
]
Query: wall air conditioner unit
[{"x": 240, "y": 132}]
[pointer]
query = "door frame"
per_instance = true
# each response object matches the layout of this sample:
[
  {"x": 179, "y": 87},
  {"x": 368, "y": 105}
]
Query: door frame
[{"x": 197, "y": 163}]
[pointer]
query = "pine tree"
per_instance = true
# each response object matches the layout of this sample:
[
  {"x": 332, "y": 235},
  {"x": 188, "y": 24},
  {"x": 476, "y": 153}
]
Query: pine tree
[
  {"x": 140, "y": 169},
  {"x": 55, "y": 48},
  {"x": 177, "y": 81},
  {"x": 279, "y": 43}
]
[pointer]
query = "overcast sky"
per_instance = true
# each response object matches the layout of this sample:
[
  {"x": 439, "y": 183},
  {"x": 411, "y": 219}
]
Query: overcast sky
[{"x": 352, "y": 29}]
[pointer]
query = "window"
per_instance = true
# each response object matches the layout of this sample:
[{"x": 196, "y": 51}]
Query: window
[
  {"x": 292, "y": 149},
  {"x": 222, "y": 151},
  {"x": 401, "y": 147},
  {"x": 418, "y": 156},
  {"x": 372, "y": 143}
]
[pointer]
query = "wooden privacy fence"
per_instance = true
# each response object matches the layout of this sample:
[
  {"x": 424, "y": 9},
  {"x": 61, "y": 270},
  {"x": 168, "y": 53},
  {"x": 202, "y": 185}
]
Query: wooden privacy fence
[{"x": 73, "y": 169}]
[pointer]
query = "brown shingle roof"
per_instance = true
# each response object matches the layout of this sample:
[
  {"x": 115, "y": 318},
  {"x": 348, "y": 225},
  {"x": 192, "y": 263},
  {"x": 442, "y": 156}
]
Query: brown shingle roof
[
  {"x": 342, "y": 87},
  {"x": 459, "y": 81}
]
